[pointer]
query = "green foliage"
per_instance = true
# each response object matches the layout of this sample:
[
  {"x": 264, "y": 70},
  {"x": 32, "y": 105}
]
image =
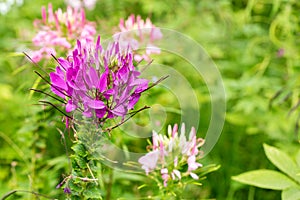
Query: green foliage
[
  {"x": 287, "y": 181},
  {"x": 263, "y": 178},
  {"x": 283, "y": 162},
  {"x": 254, "y": 43}
]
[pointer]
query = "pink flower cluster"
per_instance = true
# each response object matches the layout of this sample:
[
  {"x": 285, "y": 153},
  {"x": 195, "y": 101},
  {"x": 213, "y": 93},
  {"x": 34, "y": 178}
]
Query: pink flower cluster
[
  {"x": 170, "y": 154},
  {"x": 59, "y": 30},
  {"x": 138, "y": 34},
  {"x": 99, "y": 83},
  {"x": 89, "y": 4}
]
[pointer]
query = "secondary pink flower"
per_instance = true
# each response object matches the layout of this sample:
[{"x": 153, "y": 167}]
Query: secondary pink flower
[
  {"x": 89, "y": 4},
  {"x": 137, "y": 34},
  {"x": 171, "y": 153},
  {"x": 58, "y": 31}
]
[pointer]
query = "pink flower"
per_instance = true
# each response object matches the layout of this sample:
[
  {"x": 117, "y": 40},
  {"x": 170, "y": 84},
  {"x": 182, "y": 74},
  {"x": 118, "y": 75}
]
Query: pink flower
[
  {"x": 59, "y": 31},
  {"x": 99, "y": 83},
  {"x": 135, "y": 34}
]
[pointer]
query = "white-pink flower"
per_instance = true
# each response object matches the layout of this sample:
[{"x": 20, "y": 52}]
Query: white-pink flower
[{"x": 171, "y": 152}]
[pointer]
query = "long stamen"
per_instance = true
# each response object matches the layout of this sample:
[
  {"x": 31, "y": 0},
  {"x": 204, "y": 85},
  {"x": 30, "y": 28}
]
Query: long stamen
[
  {"x": 157, "y": 82},
  {"x": 122, "y": 122},
  {"x": 37, "y": 65},
  {"x": 58, "y": 89},
  {"x": 54, "y": 106},
  {"x": 40, "y": 91}
]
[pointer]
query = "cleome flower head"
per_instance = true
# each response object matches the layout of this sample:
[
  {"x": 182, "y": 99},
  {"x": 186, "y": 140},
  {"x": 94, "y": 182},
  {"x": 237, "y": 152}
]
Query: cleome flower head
[
  {"x": 136, "y": 33},
  {"x": 173, "y": 156},
  {"x": 89, "y": 4},
  {"x": 98, "y": 82},
  {"x": 59, "y": 30}
]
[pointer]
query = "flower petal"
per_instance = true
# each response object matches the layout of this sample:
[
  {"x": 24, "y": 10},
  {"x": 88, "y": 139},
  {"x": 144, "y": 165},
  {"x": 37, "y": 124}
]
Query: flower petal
[
  {"x": 57, "y": 81},
  {"x": 95, "y": 104},
  {"x": 149, "y": 160},
  {"x": 194, "y": 176},
  {"x": 70, "y": 106}
]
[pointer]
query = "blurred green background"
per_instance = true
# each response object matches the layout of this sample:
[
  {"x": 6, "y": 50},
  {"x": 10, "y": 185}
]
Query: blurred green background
[{"x": 255, "y": 45}]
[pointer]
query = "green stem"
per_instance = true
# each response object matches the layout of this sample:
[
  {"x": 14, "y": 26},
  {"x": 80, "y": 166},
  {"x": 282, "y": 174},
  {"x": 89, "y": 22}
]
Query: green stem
[{"x": 109, "y": 185}]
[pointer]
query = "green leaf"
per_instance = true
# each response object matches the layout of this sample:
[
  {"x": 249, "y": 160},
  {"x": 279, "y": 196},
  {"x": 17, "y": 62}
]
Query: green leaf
[
  {"x": 207, "y": 169},
  {"x": 283, "y": 161},
  {"x": 292, "y": 193},
  {"x": 235, "y": 119},
  {"x": 79, "y": 149},
  {"x": 19, "y": 69},
  {"x": 142, "y": 186},
  {"x": 298, "y": 158},
  {"x": 92, "y": 193},
  {"x": 75, "y": 189},
  {"x": 128, "y": 176},
  {"x": 81, "y": 162},
  {"x": 264, "y": 178},
  {"x": 6, "y": 92},
  {"x": 34, "y": 86},
  {"x": 16, "y": 54}
]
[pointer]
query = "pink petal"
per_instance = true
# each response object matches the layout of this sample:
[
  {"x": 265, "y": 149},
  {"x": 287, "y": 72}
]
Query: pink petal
[
  {"x": 95, "y": 104},
  {"x": 194, "y": 176},
  {"x": 192, "y": 133},
  {"x": 57, "y": 81},
  {"x": 174, "y": 131},
  {"x": 133, "y": 100},
  {"x": 177, "y": 173},
  {"x": 149, "y": 160},
  {"x": 58, "y": 92},
  {"x": 154, "y": 140},
  {"x": 164, "y": 171},
  {"x": 70, "y": 106},
  {"x": 119, "y": 110},
  {"x": 103, "y": 81},
  {"x": 141, "y": 85},
  {"x": 88, "y": 113},
  {"x": 100, "y": 113},
  {"x": 93, "y": 77}
]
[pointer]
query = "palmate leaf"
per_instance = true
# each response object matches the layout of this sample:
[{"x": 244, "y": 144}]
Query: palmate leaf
[
  {"x": 264, "y": 178},
  {"x": 292, "y": 193},
  {"x": 283, "y": 161}
]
